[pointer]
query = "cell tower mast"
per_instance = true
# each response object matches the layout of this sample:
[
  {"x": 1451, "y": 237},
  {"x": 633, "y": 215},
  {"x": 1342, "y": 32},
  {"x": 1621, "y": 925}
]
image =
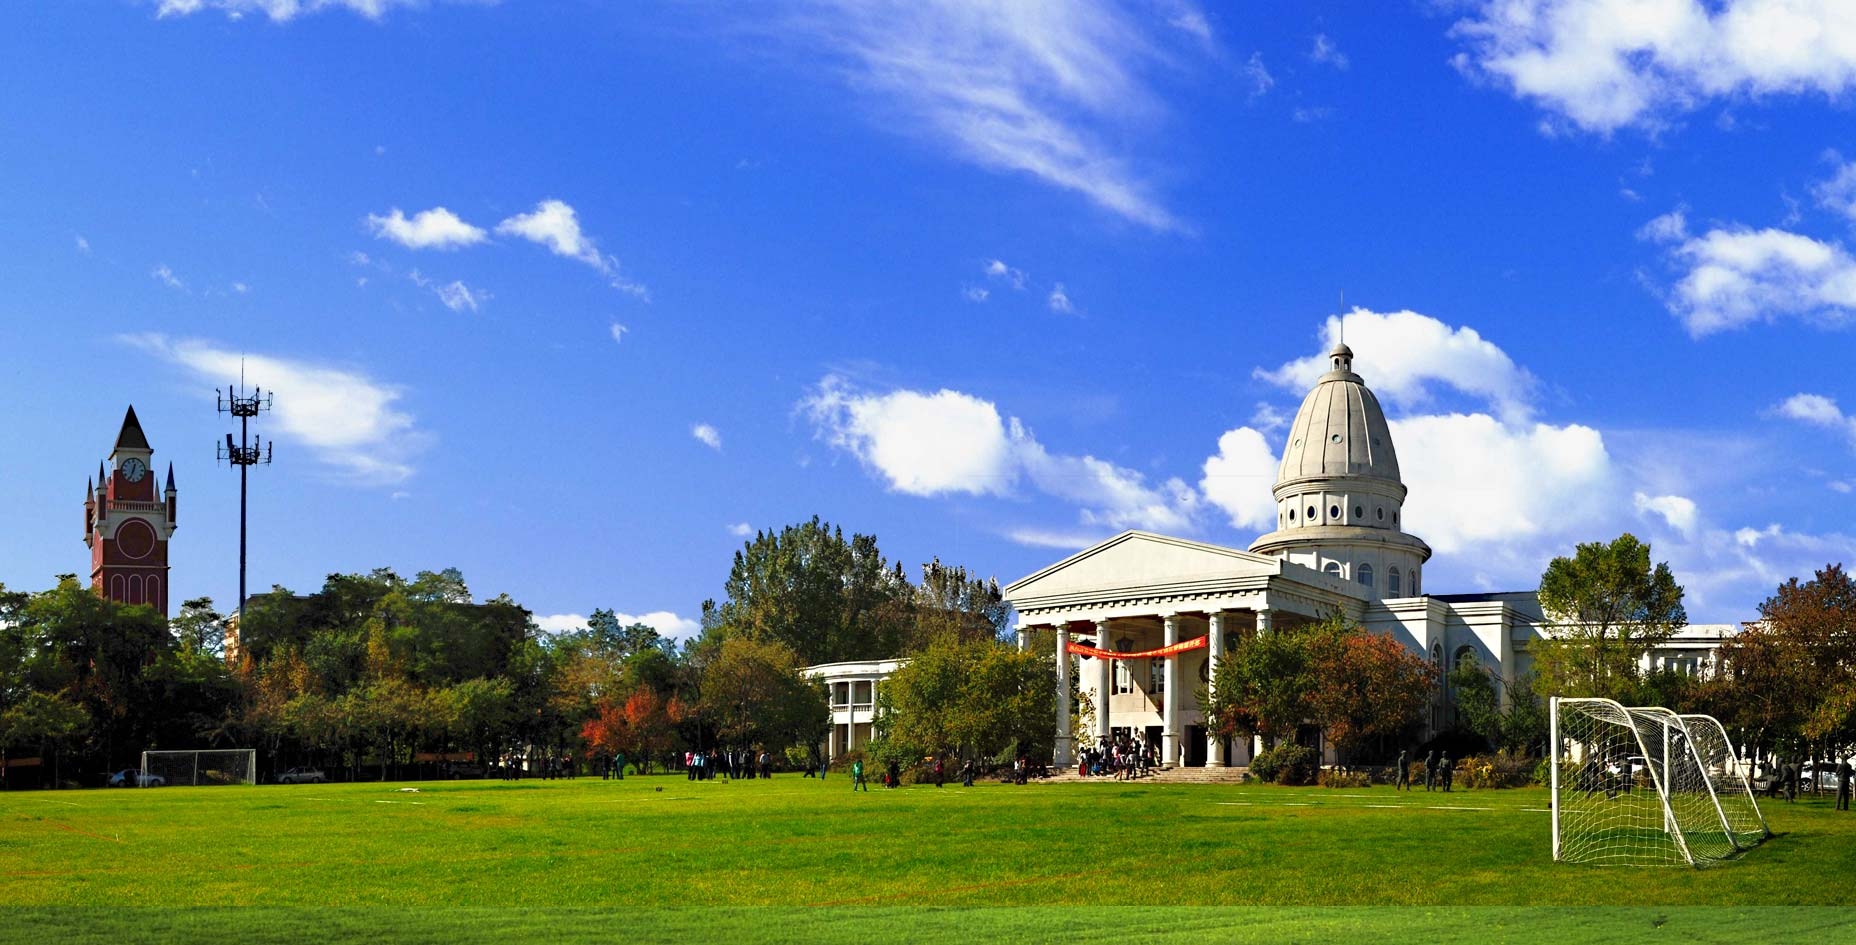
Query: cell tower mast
[{"x": 249, "y": 451}]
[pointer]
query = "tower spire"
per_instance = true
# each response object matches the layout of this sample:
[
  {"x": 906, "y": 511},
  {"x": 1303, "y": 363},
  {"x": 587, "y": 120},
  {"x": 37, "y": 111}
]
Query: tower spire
[{"x": 131, "y": 437}]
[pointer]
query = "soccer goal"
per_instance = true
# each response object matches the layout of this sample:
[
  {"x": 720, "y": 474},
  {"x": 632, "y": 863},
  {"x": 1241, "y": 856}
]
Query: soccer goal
[
  {"x": 203, "y": 766},
  {"x": 1642, "y": 785}
]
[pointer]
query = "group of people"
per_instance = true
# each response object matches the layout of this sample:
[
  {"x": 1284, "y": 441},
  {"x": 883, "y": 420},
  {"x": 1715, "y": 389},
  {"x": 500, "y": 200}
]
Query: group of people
[
  {"x": 1786, "y": 776},
  {"x": 892, "y": 773},
  {"x": 1122, "y": 757},
  {"x": 1439, "y": 772},
  {"x": 733, "y": 765}
]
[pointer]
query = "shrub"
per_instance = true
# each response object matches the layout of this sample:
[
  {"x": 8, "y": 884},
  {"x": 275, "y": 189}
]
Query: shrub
[
  {"x": 1500, "y": 770},
  {"x": 1339, "y": 778},
  {"x": 845, "y": 759},
  {"x": 1287, "y": 763}
]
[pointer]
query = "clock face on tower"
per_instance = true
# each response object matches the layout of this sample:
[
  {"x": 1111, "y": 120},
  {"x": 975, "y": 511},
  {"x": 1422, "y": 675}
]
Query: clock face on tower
[{"x": 134, "y": 469}]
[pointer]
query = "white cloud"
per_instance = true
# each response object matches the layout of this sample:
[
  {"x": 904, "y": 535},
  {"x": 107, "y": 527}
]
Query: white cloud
[
  {"x": 1060, "y": 540},
  {"x": 949, "y": 442},
  {"x": 921, "y": 444},
  {"x": 1403, "y": 354},
  {"x": 1309, "y": 115},
  {"x": 83, "y": 245},
  {"x": 1239, "y": 479},
  {"x": 741, "y": 529},
  {"x": 1837, "y": 193},
  {"x": 166, "y": 277},
  {"x": 437, "y": 228},
  {"x": 455, "y": 295},
  {"x": 1671, "y": 227},
  {"x": 1735, "y": 277},
  {"x": 555, "y": 225},
  {"x": 707, "y": 435},
  {"x": 240, "y": 288},
  {"x": 618, "y": 332},
  {"x": 1059, "y": 300},
  {"x": 1048, "y": 89},
  {"x": 997, "y": 269},
  {"x": 281, "y": 11},
  {"x": 1259, "y": 75},
  {"x": 1678, "y": 511},
  {"x": 1267, "y": 418},
  {"x": 557, "y": 624},
  {"x": 1325, "y": 52},
  {"x": 344, "y": 417},
  {"x": 1607, "y": 64},
  {"x": 1500, "y": 489},
  {"x": 1818, "y": 410},
  {"x": 667, "y": 624},
  {"x": 974, "y": 293}
]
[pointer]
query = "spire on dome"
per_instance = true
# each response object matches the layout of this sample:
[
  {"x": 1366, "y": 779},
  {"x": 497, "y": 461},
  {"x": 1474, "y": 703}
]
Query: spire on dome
[{"x": 132, "y": 437}]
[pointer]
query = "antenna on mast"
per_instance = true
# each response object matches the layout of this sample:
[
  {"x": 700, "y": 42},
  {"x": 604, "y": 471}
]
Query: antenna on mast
[{"x": 249, "y": 451}]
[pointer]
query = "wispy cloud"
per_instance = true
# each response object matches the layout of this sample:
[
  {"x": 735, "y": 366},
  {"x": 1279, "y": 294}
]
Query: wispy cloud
[
  {"x": 1046, "y": 89},
  {"x": 1733, "y": 276},
  {"x": 618, "y": 332},
  {"x": 1059, "y": 300},
  {"x": 707, "y": 435},
  {"x": 342, "y": 416},
  {"x": 282, "y": 11},
  {"x": 455, "y": 295},
  {"x": 1259, "y": 76},
  {"x": 162, "y": 274},
  {"x": 741, "y": 529},
  {"x": 556, "y": 225},
  {"x": 1819, "y": 410},
  {"x": 83, "y": 245},
  {"x": 1326, "y": 53}
]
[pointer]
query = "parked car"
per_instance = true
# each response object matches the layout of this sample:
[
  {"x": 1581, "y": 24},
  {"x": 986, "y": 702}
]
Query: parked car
[
  {"x": 302, "y": 776},
  {"x": 132, "y": 777},
  {"x": 1815, "y": 777}
]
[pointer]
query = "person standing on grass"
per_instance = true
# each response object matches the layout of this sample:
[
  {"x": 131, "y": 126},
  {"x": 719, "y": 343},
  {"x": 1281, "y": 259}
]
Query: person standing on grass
[
  {"x": 1843, "y": 784},
  {"x": 1444, "y": 768},
  {"x": 857, "y": 777},
  {"x": 894, "y": 774},
  {"x": 966, "y": 773},
  {"x": 1404, "y": 772},
  {"x": 618, "y": 766},
  {"x": 937, "y": 771},
  {"x": 1430, "y": 772}
]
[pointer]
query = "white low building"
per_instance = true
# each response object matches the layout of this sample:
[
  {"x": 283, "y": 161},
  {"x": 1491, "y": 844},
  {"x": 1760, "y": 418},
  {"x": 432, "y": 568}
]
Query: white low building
[{"x": 850, "y": 689}]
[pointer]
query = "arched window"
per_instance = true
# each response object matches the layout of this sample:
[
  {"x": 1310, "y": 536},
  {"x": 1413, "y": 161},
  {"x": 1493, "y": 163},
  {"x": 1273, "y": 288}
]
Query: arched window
[
  {"x": 1465, "y": 657},
  {"x": 1332, "y": 567},
  {"x": 1366, "y": 575},
  {"x": 1392, "y": 587},
  {"x": 153, "y": 591}
]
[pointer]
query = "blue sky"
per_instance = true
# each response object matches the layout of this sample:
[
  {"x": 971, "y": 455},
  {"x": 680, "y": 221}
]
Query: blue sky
[{"x": 570, "y": 295}]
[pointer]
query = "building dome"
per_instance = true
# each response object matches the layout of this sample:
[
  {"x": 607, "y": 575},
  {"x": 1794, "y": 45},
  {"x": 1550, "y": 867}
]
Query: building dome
[
  {"x": 1338, "y": 494},
  {"x": 1340, "y": 430}
]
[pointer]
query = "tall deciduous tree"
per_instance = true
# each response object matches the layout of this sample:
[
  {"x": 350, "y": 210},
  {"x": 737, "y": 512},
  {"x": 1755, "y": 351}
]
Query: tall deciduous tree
[
  {"x": 974, "y": 697},
  {"x": 1368, "y": 688},
  {"x": 1607, "y": 606},
  {"x": 1789, "y": 681},
  {"x": 825, "y": 598},
  {"x": 754, "y": 694}
]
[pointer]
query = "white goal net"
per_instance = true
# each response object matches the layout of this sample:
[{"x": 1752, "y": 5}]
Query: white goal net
[
  {"x": 218, "y": 766},
  {"x": 1643, "y": 785}
]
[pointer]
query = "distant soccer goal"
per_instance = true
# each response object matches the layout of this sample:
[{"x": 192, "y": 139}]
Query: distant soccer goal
[
  {"x": 203, "y": 766},
  {"x": 1642, "y": 785}
]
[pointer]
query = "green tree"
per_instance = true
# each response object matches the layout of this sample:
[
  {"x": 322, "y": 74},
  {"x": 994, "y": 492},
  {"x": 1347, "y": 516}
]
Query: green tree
[
  {"x": 1607, "y": 606},
  {"x": 810, "y": 590},
  {"x": 754, "y": 694}
]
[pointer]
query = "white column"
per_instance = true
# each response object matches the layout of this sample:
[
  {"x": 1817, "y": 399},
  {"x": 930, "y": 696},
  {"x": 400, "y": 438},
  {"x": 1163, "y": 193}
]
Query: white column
[
  {"x": 1214, "y": 651},
  {"x": 1024, "y": 638},
  {"x": 1169, "y": 700},
  {"x": 1263, "y": 622},
  {"x": 1063, "y": 757},
  {"x": 1105, "y": 680},
  {"x": 850, "y": 717}
]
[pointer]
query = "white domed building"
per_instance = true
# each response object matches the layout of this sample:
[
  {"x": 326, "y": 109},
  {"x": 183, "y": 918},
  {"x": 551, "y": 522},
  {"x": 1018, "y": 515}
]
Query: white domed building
[{"x": 1339, "y": 547}]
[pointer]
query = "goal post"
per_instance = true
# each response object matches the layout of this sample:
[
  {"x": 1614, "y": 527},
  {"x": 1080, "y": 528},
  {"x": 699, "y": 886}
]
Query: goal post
[
  {"x": 203, "y": 766},
  {"x": 1642, "y": 785}
]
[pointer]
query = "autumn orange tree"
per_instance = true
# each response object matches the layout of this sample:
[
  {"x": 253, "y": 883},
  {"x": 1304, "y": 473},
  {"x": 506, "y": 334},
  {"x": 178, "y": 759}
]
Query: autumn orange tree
[
  {"x": 1789, "y": 680},
  {"x": 1368, "y": 689}
]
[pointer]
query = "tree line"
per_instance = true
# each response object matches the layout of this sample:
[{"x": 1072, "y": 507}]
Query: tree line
[{"x": 376, "y": 675}]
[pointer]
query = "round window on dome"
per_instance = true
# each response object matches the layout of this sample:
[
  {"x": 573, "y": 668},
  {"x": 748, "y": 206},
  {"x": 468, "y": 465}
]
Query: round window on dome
[
  {"x": 1333, "y": 511},
  {"x": 1334, "y": 439},
  {"x": 1312, "y": 513},
  {"x": 1359, "y": 512},
  {"x": 1291, "y": 515},
  {"x": 1382, "y": 514}
]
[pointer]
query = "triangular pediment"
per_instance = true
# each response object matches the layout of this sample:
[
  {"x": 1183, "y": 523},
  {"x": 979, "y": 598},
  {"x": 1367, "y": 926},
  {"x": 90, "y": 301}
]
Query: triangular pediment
[{"x": 1137, "y": 559}]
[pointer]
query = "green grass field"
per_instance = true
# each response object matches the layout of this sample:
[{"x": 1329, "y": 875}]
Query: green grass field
[{"x": 793, "y": 859}]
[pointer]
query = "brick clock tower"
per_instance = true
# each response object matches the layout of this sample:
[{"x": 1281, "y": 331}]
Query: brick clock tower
[{"x": 128, "y": 521}]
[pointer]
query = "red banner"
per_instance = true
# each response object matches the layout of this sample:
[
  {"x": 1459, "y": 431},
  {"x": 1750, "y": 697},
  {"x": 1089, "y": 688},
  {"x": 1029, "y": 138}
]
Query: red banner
[{"x": 1180, "y": 647}]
